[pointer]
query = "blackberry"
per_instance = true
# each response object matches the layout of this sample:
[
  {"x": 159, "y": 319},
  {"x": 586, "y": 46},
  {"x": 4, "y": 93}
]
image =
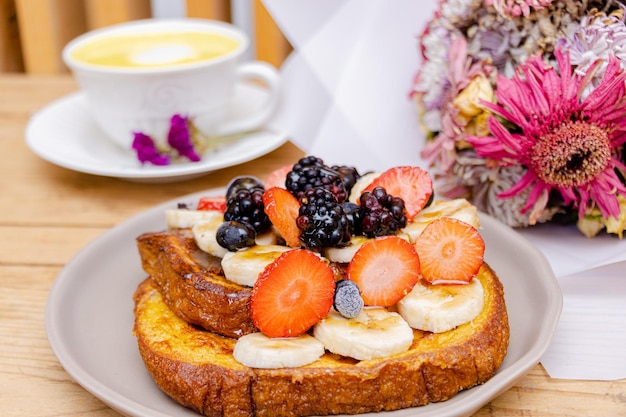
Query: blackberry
[
  {"x": 311, "y": 172},
  {"x": 349, "y": 174},
  {"x": 353, "y": 213},
  {"x": 235, "y": 235},
  {"x": 246, "y": 206},
  {"x": 347, "y": 300},
  {"x": 308, "y": 161},
  {"x": 322, "y": 220},
  {"x": 381, "y": 213}
]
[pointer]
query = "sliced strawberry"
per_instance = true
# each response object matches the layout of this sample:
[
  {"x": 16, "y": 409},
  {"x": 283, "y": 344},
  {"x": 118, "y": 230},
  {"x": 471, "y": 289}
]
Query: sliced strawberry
[
  {"x": 412, "y": 184},
  {"x": 277, "y": 177},
  {"x": 282, "y": 209},
  {"x": 217, "y": 203},
  {"x": 385, "y": 269},
  {"x": 451, "y": 251},
  {"x": 292, "y": 294}
]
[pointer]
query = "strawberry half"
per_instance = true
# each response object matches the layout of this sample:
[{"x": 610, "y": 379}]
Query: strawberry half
[
  {"x": 412, "y": 184},
  {"x": 217, "y": 203},
  {"x": 451, "y": 251},
  {"x": 282, "y": 209},
  {"x": 292, "y": 294},
  {"x": 385, "y": 269},
  {"x": 277, "y": 177}
]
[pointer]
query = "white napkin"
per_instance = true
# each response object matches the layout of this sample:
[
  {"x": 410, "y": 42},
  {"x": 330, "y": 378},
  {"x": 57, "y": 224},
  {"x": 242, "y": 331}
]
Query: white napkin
[{"x": 346, "y": 100}]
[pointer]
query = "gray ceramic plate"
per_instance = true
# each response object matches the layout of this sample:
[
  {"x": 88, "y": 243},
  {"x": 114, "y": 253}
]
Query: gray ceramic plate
[{"x": 89, "y": 319}]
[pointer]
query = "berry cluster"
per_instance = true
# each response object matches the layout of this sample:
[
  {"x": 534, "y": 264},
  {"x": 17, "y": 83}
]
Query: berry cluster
[
  {"x": 322, "y": 220},
  {"x": 381, "y": 214},
  {"x": 244, "y": 216},
  {"x": 311, "y": 172}
]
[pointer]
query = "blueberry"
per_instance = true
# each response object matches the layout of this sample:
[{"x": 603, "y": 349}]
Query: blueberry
[
  {"x": 347, "y": 301},
  {"x": 235, "y": 235},
  {"x": 244, "y": 182}
]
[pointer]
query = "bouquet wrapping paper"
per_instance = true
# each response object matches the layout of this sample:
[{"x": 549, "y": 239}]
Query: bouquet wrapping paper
[{"x": 346, "y": 99}]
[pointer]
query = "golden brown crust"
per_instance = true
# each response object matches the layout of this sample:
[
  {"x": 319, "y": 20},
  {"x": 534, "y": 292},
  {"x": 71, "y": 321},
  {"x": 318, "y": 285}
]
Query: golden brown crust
[
  {"x": 192, "y": 284},
  {"x": 197, "y": 369}
]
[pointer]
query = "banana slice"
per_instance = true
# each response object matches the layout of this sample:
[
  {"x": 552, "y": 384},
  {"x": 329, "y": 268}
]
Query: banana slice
[
  {"x": 439, "y": 308},
  {"x": 344, "y": 254},
  {"x": 183, "y": 218},
  {"x": 458, "y": 208},
  {"x": 259, "y": 351},
  {"x": 375, "y": 333},
  {"x": 267, "y": 238},
  {"x": 361, "y": 184},
  {"x": 205, "y": 235},
  {"x": 243, "y": 267}
]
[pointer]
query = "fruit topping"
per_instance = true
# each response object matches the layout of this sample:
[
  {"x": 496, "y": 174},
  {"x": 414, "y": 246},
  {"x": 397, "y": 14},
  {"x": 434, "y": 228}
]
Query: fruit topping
[
  {"x": 348, "y": 301},
  {"x": 282, "y": 209},
  {"x": 277, "y": 177},
  {"x": 450, "y": 250},
  {"x": 412, "y": 184},
  {"x": 256, "y": 350},
  {"x": 182, "y": 218},
  {"x": 381, "y": 213},
  {"x": 322, "y": 220},
  {"x": 353, "y": 213},
  {"x": 245, "y": 204},
  {"x": 292, "y": 294},
  {"x": 439, "y": 308},
  {"x": 375, "y": 333},
  {"x": 361, "y": 184},
  {"x": 311, "y": 172},
  {"x": 205, "y": 235},
  {"x": 349, "y": 174},
  {"x": 244, "y": 266},
  {"x": 213, "y": 203},
  {"x": 234, "y": 235},
  {"x": 385, "y": 269},
  {"x": 243, "y": 182}
]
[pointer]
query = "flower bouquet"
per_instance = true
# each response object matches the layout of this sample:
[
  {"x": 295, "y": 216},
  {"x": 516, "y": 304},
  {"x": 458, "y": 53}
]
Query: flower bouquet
[{"x": 524, "y": 104}]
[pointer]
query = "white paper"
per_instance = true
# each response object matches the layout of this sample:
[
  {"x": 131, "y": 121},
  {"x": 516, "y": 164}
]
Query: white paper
[
  {"x": 346, "y": 101},
  {"x": 590, "y": 339}
]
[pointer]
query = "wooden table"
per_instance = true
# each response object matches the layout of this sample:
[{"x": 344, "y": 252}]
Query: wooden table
[{"x": 48, "y": 213}]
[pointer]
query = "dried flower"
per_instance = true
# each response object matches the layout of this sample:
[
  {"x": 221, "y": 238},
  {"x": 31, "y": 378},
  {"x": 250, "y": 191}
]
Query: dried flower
[
  {"x": 147, "y": 151},
  {"x": 179, "y": 138},
  {"x": 516, "y": 124}
]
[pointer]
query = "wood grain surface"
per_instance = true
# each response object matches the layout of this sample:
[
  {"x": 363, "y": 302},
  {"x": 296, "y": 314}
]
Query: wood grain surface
[{"x": 48, "y": 213}]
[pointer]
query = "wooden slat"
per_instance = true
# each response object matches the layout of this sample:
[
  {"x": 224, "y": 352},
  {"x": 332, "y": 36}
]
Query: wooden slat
[
  {"x": 10, "y": 51},
  {"x": 108, "y": 12},
  {"x": 271, "y": 44},
  {"x": 45, "y": 27},
  {"x": 209, "y": 9}
]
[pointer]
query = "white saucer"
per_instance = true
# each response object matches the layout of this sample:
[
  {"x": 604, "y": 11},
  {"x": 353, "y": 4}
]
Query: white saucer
[{"x": 65, "y": 134}]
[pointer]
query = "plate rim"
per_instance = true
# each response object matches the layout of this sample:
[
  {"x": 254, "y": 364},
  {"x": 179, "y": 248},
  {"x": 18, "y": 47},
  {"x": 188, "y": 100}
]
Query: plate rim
[
  {"x": 503, "y": 380},
  {"x": 171, "y": 172}
]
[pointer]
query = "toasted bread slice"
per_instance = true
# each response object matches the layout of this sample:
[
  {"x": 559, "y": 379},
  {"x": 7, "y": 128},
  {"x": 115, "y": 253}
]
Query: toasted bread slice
[
  {"x": 197, "y": 369},
  {"x": 193, "y": 285}
]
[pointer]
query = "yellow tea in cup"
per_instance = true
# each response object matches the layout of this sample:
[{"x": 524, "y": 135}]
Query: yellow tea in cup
[{"x": 154, "y": 49}]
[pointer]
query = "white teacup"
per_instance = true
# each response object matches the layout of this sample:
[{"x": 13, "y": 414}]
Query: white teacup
[{"x": 137, "y": 75}]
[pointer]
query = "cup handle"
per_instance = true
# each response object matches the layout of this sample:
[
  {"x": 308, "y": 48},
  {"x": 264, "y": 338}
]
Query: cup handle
[{"x": 268, "y": 75}]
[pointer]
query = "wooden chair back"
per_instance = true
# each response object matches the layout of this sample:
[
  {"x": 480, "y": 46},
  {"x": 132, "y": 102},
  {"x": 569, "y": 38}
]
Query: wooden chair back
[{"x": 34, "y": 32}]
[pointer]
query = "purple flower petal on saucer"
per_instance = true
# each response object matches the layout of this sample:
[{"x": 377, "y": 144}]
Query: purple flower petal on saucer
[
  {"x": 179, "y": 138},
  {"x": 147, "y": 151}
]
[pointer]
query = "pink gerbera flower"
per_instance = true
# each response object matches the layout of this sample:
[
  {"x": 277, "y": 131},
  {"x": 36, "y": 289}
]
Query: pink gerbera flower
[{"x": 566, "y": 136}]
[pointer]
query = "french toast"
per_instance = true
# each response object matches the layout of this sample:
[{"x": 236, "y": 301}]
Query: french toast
[
  {"x": 347, "y": 308},
  {"x": 192, "y": 284},
  {"x": 197, "y": 368}
]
